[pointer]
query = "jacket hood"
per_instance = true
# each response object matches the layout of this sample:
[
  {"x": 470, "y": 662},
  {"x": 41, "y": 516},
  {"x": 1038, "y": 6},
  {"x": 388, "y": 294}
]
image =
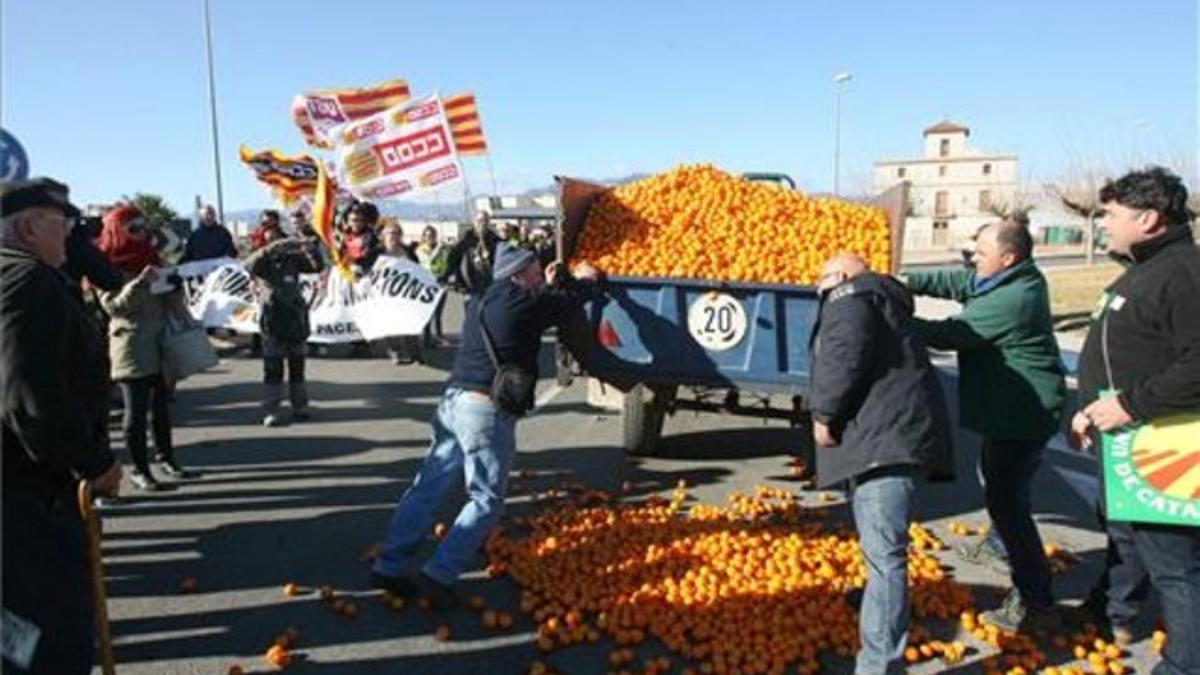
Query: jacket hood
[{"x": 893, "y": 300}]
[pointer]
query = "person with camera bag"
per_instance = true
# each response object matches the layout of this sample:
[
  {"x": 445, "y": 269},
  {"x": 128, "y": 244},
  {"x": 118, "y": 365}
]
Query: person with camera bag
[
  {"x": 283, "y": 320},
  {"x": 138, "y": 317},
  {"x": 490, "y": 388}
]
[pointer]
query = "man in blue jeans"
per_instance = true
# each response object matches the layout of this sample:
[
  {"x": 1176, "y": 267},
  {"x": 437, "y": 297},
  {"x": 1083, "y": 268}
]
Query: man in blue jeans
[
  {"x": 1141, "y": 363},
  {"x": 472, "y": 435},
  {"x": 879, "y": 422},
  {"x": 1011, "y": 390}
]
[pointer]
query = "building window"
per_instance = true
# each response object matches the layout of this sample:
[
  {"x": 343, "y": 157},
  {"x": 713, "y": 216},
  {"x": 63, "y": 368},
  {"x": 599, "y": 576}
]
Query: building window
[
  {"x": 944, "y": 148},
  {"x": 987, "y": 169},
  {"x": 942, "y": 170},
  {"x": 900, "y": 172},
  {"x": 985, "y": 200},
  {"x": 941, "y": 203}
]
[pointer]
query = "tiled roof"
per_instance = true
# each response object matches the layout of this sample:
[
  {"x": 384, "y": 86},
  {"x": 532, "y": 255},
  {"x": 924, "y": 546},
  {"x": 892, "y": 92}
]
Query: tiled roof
[{"x": 947, "y": 127}]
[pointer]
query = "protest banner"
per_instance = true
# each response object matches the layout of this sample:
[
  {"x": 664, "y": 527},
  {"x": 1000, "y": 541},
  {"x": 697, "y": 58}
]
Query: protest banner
[
  {"x": 1152, "y": 471},
  {"x": 403, "y": 151},
  {"x": 397, "y": 298}
]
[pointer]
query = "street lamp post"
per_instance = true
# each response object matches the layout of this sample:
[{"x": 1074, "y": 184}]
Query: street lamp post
[
  {"x": 838, "y": 80},
  {"x": 212, "y": 111}
]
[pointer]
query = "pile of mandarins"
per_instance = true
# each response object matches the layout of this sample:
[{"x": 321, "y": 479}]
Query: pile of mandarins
[
  {"x": 757, "y": 586},
  {"x": 698, "y": 222}
]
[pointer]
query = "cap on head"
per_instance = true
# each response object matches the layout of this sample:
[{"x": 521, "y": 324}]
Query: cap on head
[
  {"x": 511, "y": 260},
  {"x": 19, "y": 195}
]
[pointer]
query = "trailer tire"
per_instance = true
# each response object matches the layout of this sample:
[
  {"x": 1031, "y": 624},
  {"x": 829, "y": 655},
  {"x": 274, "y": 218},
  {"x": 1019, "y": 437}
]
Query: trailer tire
[{"x": 644, "y": 412}]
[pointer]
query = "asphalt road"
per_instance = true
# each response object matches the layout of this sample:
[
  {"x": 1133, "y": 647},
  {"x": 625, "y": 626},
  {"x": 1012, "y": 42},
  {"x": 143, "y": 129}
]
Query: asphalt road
[{"x": 302, "y": 503}]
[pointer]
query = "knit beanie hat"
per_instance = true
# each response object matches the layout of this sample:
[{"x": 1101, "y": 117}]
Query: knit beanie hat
[{"x": 510, "y": 260}]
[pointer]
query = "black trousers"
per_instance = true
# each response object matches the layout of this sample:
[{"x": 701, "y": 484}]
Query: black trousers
[
  {"x": 146, "y": 397},
  {"x": 46, "y": 580}
]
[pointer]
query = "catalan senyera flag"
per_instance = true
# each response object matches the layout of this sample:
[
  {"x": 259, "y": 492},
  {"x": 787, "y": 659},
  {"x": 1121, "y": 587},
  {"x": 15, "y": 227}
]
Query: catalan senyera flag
[
  {"x": 317, "y": 112},
  {"x": 324, "y": 206},
  {"x": 463, "y": 116},
  {"x": 289, "y": 177}
]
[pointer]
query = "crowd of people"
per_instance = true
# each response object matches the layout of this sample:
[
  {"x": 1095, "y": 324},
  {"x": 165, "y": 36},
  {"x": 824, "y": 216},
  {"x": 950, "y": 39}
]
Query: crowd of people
[{"x": 880, "y": 416}]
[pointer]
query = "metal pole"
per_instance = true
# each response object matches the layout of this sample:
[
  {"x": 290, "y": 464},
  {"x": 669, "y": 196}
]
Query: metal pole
[
  {"x": 837, "y": 138},
  {"x": 492, "y": 173},
  {"x": 838, "y": 80},
  {"x": 212, "y": 110}
]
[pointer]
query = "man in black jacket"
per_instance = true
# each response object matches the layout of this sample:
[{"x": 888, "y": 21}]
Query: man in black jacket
[
  {"x": 283, "y": 318},
  {"x": 209, "y": 240},
  {"x": 53, "y": 384},
  {"x": 469, "y": 263},
  {"x": 473, "y": 436},
  {"x": 1140, "y": 362},
  {"x": 879, "y": 421}
]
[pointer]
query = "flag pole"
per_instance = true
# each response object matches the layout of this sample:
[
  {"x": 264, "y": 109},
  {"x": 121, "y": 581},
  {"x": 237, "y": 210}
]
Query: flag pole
[
  {"x": 492, "y": 173},
  {"x": 212, "y": 111}
]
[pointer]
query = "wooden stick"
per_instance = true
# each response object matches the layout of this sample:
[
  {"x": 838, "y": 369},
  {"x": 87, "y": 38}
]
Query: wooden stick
[{"x": 91, "y": 524}]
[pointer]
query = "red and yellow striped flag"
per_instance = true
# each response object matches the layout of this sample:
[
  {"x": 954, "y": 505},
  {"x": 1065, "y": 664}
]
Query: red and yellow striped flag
[
  {"x": 463, "y": 117},
  {"x": 316, "y": 112},
  {"x": 288, "y": 177},
  {"x": 324, "y": 206}
]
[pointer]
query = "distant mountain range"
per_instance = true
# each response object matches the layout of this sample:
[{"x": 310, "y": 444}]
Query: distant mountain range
[{"x": 427, "y": 211}]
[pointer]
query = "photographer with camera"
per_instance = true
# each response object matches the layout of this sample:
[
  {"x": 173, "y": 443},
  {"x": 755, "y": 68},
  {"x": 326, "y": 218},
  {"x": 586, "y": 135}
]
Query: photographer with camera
[
  {"x": 490, "y": 388},
  {"x": 283, "y": 320}
]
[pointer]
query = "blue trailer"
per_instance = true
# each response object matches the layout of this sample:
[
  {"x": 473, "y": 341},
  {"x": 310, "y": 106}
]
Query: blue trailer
[{"x": 689, "y": 344}]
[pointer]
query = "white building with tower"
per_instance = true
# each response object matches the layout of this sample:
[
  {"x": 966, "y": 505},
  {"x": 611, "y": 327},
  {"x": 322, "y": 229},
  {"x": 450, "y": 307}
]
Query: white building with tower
[{"x": 952, "y": 185}]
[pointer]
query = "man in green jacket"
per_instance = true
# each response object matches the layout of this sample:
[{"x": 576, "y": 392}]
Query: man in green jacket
[{"x": 1011, "y": 390}]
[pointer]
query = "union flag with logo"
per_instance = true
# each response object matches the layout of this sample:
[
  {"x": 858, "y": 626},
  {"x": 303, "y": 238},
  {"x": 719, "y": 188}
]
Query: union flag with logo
[
  {"x": 400, "y": 152},
  {"x": 316, "y": 112}
]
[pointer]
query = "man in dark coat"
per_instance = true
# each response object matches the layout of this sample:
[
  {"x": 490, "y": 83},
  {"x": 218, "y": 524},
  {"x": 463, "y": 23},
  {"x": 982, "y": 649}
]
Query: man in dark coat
[
  {"x": 283, "y": 317},
  {"x": 53, "y": 387},
  {"x": 1011, "y": 390},
  {"x": 1141, "y": 362},
  {"x": 473, "y": 434},
  {"x": 880, "y": 422},
  {"x": 469, "y": 264},
  {"x": 210, "y": 240}
]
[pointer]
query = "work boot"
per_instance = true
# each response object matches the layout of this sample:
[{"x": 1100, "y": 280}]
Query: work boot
[
  {"x": 440, "y": 595},
  {"x": 983, "y": 553},
  {"x": 298, "y": 395},
  {"x": 1015, "y": 615},
  {"x": 401, "y": 585},
  {"x": 1093, "y": 611}
]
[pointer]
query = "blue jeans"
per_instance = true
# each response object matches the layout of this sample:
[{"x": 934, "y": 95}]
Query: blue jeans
[
  {"x": 1167, "y": 557},
  {"x": 882, "y": 503},
  {"x": 472, "y": 436},
  {"x": 1008, "y": 468}
]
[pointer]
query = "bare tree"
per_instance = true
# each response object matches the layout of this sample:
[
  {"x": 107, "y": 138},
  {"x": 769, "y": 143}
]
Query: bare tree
[{"x": 1080, "y": 194}]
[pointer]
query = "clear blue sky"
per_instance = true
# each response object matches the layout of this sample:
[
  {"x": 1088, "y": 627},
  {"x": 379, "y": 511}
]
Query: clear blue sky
[{"x": 111, "y": 97}]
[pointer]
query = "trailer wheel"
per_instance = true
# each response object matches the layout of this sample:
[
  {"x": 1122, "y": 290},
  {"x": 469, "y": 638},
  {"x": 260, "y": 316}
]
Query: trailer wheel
[{"x": 645, "y": 411}]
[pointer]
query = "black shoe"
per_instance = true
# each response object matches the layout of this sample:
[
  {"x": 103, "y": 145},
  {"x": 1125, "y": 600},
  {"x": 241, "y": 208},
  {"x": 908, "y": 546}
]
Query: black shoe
[
  {"x": 401, "y": 586},
  {"x": 172, "y": 468},
  {"x": 144, "y": 481},
  {"x": 440, "y": 595},
  {"x": 301, "y": 415}
]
